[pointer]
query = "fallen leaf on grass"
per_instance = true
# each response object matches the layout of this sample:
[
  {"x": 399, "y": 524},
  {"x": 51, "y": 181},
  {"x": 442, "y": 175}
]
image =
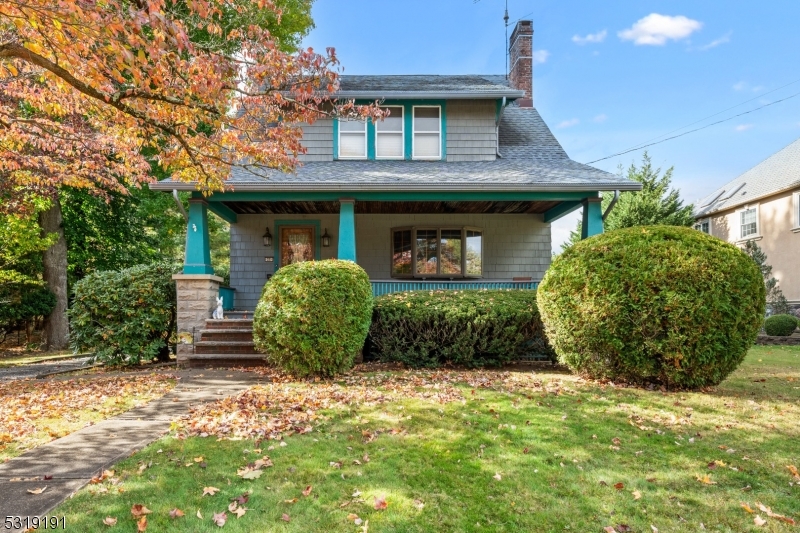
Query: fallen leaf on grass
[
  {"x": 759, "y": 521},
  {"x": 139, "y": 510},
  {"x": 110, "y": 521},
  {"x": 637, "y": 495},
  {"x": 619, "y": 486},
  {"x": 381, "y": 503},
  {"x": 210, "y": 491},
  {"x": 706, "y": 480},
  {"x": 240, "y": 511},
  {"x": 199, "y": 514},
  {"x": 497, "y": 476},
  {"x": 141, "y": 524},
  {"x": 354, "y": 517},
  {"x": 609, "y": 529},
  {"x": 764, "y": 509},
  {"x": 419, "y": 504},
  {"x": 249, "y": 473},
  {"x": 176, "y": 513},
  {"x": 794, "y": 472},
  {"x": 220, "y": 518},
  {"x": 285, "y": 517},
  {"x": 37, "y": 491},
  {"x": 307, "y": 491},
  {"x": 291, "y": 502},
  {"x": 654, "y": 528},
  {"x": 747, "y": 508},
  {"x": 199, "y": 459}
]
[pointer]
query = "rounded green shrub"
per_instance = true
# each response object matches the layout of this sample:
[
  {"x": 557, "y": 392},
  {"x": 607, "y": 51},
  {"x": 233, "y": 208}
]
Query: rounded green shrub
[
  {"x": 780, "y": 325},
  {"x": 125, "y": 317},
  {"x": 22, "y": 304},
  {"x": 474, "y": 328},
  {"x": 653, "y": 304},
  {"x": 313, "y": 317}
]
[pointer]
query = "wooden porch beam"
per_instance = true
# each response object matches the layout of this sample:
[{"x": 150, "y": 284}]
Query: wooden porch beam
[
  {"x": 399, "y": 196},
  {"x": 224, "y": 212},
  {"x": 562, "y": 209}
]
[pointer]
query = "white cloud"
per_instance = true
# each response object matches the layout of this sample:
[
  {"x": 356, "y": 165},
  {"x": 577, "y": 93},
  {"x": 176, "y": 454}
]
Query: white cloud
[
  {"x": 540, "y": 56},
  {"x": 592, "y": 38},
  {"x": 743, "y": 127},
  {"x": 568, "y": 123},
  {"x": 655, "y": 29},
  {"x": 602, "y": 117},
  {"x": 744, "y": 86},
  {"x": 716, "y": 42}
]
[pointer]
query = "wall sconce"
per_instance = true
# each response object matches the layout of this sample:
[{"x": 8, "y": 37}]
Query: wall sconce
[
  {"x": 267, "y": 238},
  {"x": 326, "y": 239}
]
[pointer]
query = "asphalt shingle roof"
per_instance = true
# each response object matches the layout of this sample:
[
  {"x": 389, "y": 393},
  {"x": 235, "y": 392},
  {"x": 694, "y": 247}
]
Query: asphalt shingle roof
[
  {"x": 780, "y": 171},
  {"x": 424, "y": 83}
]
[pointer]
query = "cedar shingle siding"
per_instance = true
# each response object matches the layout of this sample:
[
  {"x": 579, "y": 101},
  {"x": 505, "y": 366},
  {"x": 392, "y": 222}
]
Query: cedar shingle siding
[{"x": 471, "y": 130}]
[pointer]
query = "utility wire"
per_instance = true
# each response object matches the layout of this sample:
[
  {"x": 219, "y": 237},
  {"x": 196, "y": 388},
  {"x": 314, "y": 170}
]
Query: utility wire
[
  {"x": 715, "y": 114},
  {"x": 694, "y": 130}
]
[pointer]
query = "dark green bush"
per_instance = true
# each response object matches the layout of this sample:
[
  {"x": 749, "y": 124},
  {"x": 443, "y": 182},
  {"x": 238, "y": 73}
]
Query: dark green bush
[
  {"x": 474, "y": 328},
  {"x": 23, "y": 303},
  {"x": 780, "y": 325},
  {"x": 653, "y": 304},
  {"x": 313, "y": 317},
  {"x": 125, "y": 317}
]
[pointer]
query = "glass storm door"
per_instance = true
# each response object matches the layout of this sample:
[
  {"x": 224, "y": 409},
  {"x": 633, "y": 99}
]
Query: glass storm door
[{"x": 297, "y": 245}]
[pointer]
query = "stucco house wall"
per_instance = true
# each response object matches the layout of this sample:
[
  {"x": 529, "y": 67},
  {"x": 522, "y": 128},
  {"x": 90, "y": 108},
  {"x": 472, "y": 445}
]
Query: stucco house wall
[
  {"x": 513, "y": 245},
  {"x": 778, "y": 236}
]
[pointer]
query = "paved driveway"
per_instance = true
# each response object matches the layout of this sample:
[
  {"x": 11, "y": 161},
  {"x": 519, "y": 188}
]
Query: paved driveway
[{"x": 34, "y": 369}]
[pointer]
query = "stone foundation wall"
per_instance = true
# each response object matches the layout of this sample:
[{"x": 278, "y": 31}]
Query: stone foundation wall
[
  {"x": 197, "y": 299},
  {"x": 793, "y": 340}
]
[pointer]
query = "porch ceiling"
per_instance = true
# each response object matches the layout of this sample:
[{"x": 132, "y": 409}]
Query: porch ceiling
[{"x": 375, "y": 208}]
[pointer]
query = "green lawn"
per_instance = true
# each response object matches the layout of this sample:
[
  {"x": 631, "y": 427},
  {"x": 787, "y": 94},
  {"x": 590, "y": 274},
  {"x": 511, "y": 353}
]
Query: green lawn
[{"x": 508, "y": 452}]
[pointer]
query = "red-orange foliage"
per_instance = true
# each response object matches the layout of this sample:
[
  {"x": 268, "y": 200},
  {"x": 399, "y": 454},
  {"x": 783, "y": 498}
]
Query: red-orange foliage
[{"x": 85, "y": 86}]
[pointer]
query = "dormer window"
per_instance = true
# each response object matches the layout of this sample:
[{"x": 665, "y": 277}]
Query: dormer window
[
  {"x": 353, "y": 139},
  {"x": 427, "y": 132}
]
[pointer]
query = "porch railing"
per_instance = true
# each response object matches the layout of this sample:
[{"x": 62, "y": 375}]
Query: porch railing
[{"x": 381, "y": 287}]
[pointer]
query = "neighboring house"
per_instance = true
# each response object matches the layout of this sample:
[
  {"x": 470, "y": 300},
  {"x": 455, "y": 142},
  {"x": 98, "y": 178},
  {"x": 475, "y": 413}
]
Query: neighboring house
[
  {"x": 455, "y": 189},
  {"x": 762, "y": 205}
]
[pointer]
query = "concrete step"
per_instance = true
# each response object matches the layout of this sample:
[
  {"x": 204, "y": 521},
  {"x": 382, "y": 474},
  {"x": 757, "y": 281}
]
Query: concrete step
[
  {"x": 239, "y": 314},
  {"x": 225, "y": 348},
  {"x": 223, "y": 360},
  {"x": 238, "y": 323},
  {"x": 226, "y": 334}
]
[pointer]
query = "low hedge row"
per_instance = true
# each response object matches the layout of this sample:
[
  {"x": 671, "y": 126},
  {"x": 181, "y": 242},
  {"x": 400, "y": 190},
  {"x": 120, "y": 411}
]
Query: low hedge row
[
  {"x": 780, "y": 325},
  {"x": 474, "y": 328}
]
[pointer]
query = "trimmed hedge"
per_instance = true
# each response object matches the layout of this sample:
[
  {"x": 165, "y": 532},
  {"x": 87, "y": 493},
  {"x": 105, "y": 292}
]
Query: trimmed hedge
[
  {"x": 780, "y": 325},
  {"x": 125, "y": 317},
  {"x": 474, "y": 328},
  {"x": 313, "y": 317},
  {"x": 653, "y": 304}
]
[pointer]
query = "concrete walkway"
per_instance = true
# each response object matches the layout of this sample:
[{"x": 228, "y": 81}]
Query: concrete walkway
[{"x": 70, "y": 462}]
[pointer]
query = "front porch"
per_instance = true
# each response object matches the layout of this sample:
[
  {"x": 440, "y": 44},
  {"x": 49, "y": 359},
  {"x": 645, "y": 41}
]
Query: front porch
[{"x": 404, "y": 241}]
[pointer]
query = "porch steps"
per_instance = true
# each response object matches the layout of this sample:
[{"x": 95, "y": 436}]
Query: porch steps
[{"x": 227, "y": 342}]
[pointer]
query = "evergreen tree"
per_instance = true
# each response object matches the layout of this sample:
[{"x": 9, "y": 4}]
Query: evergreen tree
[
  {"x": 655, "y": 204},
  {"x": 776, "y": 301}
]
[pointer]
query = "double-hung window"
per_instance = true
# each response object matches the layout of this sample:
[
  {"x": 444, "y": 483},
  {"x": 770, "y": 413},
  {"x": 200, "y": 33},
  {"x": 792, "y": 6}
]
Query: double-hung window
[
  {"x": 431, "y": 252},
  {"x": 352, "y": 139},
  {"x": 748, "y": 222},
  {"x": 427, "y": 132},
  {"x": 703, "y": 225},
  {"x": 389, "y": 134}
]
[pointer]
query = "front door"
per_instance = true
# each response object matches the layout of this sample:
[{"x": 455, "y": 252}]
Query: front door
[{"x": 297, "y": 245}]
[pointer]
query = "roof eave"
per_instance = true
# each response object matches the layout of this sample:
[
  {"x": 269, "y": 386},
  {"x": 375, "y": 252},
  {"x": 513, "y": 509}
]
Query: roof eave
[
  {"x": 427, "y": 95},
  {"x": 703, "y": 214},
  {"x": 394, "y": 186}
]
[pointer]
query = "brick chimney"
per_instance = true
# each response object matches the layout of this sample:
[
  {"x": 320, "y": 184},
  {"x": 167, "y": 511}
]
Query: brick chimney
[{"x": 520, "y": 59}]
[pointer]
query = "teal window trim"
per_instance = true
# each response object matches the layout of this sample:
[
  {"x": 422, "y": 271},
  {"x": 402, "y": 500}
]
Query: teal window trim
[
  {"x": 292, "y": 223},
  {"x": 408, "y": 128}
]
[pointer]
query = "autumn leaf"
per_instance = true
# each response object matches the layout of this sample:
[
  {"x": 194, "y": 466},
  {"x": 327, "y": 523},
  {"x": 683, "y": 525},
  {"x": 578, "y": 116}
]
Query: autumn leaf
[
  {"x": 705, "y": 480},
  {"x": 240, "y": 512},
  {"x": 139, "y": 510},
  {"x": 793, "y": 471},
  {"x": 199, "y": 514},
  {"x": 419, "y": 504},
  {"x": 747, "y": 508},
  {"x": 637, "y": 495},
  {"x": 609, "y": 529},
  {"x": 759, "y": 521},
  {"x": 291, "y": 502},
  {"x": 176, "y": 513},
  {"x": 307, "y": 491},
  {"x": 199, "y": 459},
  {"x": 764, "y": 509},
  {"x": 210, "y": 491},
  {"x": 220, "y": 518},
  {"x": 37, "y": 491},
  {"x": 619, "y": 486},
  {"x": 381, "y": 503},
  {"x": 141, "y": 524},
  {"x": 285, "y": 517},
  {"x": 110, "y": 521},
  {"x": 497, "y": 476}
]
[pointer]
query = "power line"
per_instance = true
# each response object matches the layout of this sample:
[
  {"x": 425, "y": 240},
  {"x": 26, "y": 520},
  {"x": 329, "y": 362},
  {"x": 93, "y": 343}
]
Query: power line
[
  {"x": 715, "y": 114},
  {"x": 694, "y": 130}
]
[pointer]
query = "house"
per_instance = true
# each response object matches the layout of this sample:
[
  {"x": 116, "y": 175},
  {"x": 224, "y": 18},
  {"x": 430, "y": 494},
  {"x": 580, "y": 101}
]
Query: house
[
  {"x": 762, "y": 205},
  {"x": 455, "y": 189}
]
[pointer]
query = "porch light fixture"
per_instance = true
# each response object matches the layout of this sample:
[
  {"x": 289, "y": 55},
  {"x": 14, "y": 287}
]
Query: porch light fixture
[
  {"x": 326, "y": 239},
  {"x": 267, "y": 238}
]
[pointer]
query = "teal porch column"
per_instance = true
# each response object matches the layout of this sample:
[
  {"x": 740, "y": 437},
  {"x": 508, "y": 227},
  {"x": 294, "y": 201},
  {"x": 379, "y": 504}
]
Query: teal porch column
[
  {"x": 592, "y": 223},
  {"x": 198, "y": 249},
  {"x": 347, "y": 230}
]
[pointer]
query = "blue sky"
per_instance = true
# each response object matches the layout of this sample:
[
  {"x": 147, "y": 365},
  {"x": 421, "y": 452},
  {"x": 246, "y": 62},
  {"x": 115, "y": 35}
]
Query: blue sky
[{"x": 610, "y": 75}]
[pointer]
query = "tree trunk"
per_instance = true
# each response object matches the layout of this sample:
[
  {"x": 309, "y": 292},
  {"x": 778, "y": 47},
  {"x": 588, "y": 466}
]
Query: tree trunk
[{"x": 56, "y": 326}]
